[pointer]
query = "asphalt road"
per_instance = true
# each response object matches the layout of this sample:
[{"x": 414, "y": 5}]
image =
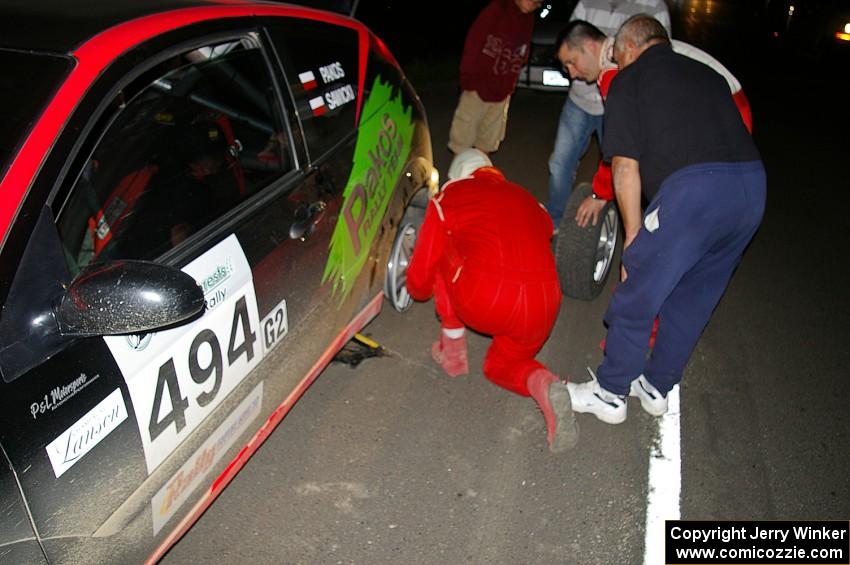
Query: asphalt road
[{"x": 392, "y": 462}]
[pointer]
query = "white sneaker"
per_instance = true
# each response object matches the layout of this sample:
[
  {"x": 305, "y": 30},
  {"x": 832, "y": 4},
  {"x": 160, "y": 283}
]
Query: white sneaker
[
  {"x": 592, "y": 398},
  {"x": 652, "y": 401}
]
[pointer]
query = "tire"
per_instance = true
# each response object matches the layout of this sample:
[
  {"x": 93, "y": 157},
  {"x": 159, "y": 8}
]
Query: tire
[
  {"x": 401, "y": 252},
  {"x": 584, "y": 255}
]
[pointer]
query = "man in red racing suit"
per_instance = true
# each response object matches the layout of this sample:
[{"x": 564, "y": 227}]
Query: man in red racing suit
[{"x": 484, "y": 253}]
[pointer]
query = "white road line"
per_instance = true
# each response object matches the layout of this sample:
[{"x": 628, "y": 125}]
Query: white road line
[{"x": 665, "y": 481}]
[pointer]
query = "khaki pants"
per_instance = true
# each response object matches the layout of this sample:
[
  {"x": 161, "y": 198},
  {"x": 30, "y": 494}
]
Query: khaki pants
[{"x": 477, "y": 123}]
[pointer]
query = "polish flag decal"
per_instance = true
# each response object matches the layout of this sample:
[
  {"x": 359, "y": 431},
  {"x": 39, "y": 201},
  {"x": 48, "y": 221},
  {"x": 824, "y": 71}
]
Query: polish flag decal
[
  {"x": 308, "y": 80},
  {"x": 317, "y": 104}
]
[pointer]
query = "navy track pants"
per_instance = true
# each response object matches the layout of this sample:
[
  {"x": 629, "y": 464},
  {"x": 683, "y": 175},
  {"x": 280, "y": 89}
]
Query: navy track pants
[{"x": 706, "y": 216}]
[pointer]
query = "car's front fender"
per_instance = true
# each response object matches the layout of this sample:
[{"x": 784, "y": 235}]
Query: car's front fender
[{"x": 18, "y": 541}]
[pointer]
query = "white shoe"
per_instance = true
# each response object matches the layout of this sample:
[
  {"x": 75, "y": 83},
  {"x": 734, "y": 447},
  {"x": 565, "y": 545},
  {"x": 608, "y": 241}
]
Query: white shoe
[
  {"x": 592, "y": 398},
  {"x": 652, "y": 401}
]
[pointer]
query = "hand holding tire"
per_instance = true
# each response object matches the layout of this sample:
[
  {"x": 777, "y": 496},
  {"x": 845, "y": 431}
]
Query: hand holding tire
[{"x": 589, "y": 210}]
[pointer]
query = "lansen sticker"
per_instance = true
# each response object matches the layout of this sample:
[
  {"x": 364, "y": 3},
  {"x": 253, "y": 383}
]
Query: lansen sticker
[{"x": 67, "y": 449}]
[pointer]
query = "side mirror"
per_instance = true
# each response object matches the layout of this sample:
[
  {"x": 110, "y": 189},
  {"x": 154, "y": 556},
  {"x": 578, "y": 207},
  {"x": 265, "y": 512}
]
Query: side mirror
[
  {"x": 44, "y": 312},
  {"x": 125, "y": 297}
]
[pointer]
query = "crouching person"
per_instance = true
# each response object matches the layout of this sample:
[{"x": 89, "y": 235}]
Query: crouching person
[{"x": 484, "y": 253}]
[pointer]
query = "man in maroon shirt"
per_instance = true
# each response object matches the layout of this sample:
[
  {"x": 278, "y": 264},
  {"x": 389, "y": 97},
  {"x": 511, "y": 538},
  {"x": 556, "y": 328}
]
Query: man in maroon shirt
[
  {"x": 491, "y": 268},
  {"x": 496, "y": 48}
]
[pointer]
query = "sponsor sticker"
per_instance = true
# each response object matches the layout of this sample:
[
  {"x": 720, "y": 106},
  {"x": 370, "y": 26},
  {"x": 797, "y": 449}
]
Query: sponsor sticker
[
  {"x": 67, "y": 449},
  {"x": 60, "y": 394},
  {"x": 194, "y": 471},
  {"x": 274, "y": 327},
  {"x": 383, "y": 145},
  {"x": 214, "y": 272}
]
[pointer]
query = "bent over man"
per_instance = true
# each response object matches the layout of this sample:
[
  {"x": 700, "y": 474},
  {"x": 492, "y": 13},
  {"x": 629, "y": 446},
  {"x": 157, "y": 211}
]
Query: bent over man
[
  {"x": 587, "y": 55},
  {"x": 484, "y": 253},
  {"x": 582, "y": 114},
  {"x": 675, "y": 136}
]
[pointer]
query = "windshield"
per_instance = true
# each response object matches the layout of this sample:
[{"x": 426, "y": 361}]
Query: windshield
[{"x": 26, "y": 84}]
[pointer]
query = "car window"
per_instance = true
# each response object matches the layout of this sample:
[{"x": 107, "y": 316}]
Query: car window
[
  {"x": 321, "y": 64},
  {"x": 200, "y": 135}
]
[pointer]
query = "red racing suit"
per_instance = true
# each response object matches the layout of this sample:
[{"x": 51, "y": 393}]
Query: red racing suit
[{"x": 484, "y": 253}]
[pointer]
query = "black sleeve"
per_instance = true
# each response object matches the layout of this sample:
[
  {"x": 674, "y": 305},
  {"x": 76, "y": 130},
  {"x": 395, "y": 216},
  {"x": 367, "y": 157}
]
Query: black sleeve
[{"x": 621, "y": 131}]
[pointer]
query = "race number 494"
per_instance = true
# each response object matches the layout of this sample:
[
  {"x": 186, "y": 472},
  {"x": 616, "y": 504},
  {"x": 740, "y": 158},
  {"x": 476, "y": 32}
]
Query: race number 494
[
  {"x": 206, "y": 362},
  {"x": 180, "y": 388},
  {"x": 178, "y": 377}
]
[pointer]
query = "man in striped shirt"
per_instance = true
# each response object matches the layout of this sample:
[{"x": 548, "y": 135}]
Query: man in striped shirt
[{"x": 581, "y": 115}]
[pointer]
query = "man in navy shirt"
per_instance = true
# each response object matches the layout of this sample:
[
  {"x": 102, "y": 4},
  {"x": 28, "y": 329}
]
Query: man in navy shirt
[{"x": 674, "y": 136}]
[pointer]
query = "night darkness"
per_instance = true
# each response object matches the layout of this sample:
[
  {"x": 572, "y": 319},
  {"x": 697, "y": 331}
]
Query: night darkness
[
  {"x": 417, "y": 30},
  {"x": 431, "y": 30}
]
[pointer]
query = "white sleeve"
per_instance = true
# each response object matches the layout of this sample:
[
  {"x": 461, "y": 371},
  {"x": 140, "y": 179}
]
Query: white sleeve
[
  {"x": 579, "y": 12},
  {"x": 662, "y": 14}
]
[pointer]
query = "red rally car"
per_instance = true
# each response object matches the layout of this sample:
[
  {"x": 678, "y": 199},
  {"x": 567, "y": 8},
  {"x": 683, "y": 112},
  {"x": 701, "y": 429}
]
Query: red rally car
[{"x": 200, "y": 203}]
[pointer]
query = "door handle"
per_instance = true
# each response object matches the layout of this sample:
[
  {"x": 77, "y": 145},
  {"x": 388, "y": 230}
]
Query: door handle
[{"x": 307, "y": 217}]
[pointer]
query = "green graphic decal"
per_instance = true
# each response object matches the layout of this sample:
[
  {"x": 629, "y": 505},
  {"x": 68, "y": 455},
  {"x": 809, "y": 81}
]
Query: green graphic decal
[{"x": 383, "y": 144}]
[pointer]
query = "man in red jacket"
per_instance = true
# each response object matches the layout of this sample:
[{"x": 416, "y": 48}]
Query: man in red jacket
[
  {"x": 496, "y": 48},
  {"x": 490, "y": 267}
]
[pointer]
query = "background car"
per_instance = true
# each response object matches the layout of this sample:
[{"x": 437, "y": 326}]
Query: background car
[
  {"x": 544, "y": 71},
  {"x": 200, "y": 204}
]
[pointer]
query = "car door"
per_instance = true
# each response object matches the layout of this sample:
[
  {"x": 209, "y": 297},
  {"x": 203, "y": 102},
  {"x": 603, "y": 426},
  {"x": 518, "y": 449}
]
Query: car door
[
  {"x": 366, "y": 132},
  {"x": 322, "y": 72},
  {"x": 192, "y": 159}
]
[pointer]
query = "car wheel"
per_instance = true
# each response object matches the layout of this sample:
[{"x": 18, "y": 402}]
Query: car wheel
[
  {"x": 395, "y": 288},
  {"x": 584, "y": 255}
]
